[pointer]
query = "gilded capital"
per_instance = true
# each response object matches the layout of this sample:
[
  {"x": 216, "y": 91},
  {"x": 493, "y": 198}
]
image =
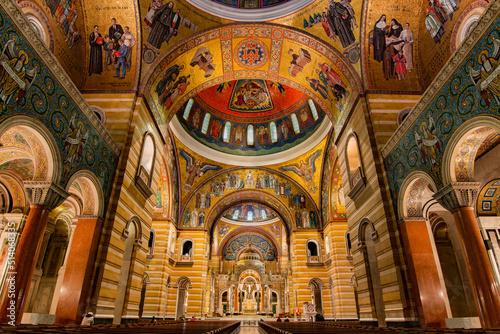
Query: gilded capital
[
  {"x": 45, "y": 193},
  {"x": 458, "y": 195}
]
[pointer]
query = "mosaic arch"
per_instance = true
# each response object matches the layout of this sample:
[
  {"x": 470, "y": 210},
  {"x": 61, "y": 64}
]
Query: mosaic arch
[
  {"x": 243, "y": 197},
  {"x": 85, "y": 186},
  {"x": 16, "y": 190},
  {"x": 251, "y": 52},
  {"x": 488, "y": 202},
  {"x": 474, "y": 145},
  {"x": 23, "y": 151},
  {"x": 239, "y": 240},
  {"x": 286, "y": 196},
  {"x": 416, "y": 189}
]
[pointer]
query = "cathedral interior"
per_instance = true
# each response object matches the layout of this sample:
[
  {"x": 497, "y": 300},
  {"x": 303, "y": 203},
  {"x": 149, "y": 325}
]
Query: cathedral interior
[{"x": 261, "y": 158}]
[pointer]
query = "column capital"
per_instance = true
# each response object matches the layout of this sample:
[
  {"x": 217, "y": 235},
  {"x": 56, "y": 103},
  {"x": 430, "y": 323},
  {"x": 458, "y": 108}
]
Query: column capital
[
  {"x": 45, "y": 193},
  {"x": 408, "y": 219},
  {"x": 458, "y": 195}
]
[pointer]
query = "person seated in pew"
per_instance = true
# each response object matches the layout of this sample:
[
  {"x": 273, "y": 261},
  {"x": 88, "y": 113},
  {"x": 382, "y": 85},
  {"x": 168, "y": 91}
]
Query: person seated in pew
[
  {"x": 286, "y": 319},
  {"x": 153, "y": 320},
  {"x": 88, "y": 320},
  {"x": 278, "y": 319}
]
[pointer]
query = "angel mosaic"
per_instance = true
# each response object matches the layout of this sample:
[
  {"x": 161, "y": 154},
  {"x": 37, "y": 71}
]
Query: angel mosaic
[
  {"x": 428, "y": 142},
  {"x": 75, "y": 141},
  {"x": 15, "y": 78},
  {"x": 305, "y": 170},
  {"x": 487, "y": 77},
  {"x": 195, "y": 169}
]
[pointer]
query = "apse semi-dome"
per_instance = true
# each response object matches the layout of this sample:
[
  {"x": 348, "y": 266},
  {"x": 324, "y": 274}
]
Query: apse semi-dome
[{"x": 251, "y": 117}]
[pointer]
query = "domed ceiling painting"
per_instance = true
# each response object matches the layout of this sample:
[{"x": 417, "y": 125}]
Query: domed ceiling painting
[{"x": 251, "y": 117}]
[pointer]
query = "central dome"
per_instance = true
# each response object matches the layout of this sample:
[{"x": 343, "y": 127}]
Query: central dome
[{"x": 250, "y": 117}]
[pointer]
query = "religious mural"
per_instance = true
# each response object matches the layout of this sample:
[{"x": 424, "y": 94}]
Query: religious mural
[
  {"x": 194, "y": 168},
  {"x": 162, "y": 196},
  {"x": 441, "y": 23},
  {"x": 248, "y": 127},
  {"x": 329, "y": 81},
  {"x": 431, "y": 131},
  {"x": 485, "y": 77},
  {"x": 221, "y": 189},
  {"x": 113, "y": 48},
  {"x": 17, "y": 74},
  {"x": 46, "y": 100},
  {"x": 393, "y": 47},
  {"x": 305, "y": 170}
]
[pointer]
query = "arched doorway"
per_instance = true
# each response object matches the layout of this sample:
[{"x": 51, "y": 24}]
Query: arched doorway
[
  {"x": 123, "y": 283},
  {"x": 315, "y": 286},
  {"x": 373, "y": 273},
  {"x": 182, "y": 285}
]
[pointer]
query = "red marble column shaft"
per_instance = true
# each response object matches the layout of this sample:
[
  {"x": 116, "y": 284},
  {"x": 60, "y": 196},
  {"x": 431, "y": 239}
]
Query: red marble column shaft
[
  {"x": 75, "y": 289},
  {"x": 237, "y": 300},
  {"x": 20, "y": 272},
  {"x": 485, "y": 287},
  {"x": 424, "y": 274}
]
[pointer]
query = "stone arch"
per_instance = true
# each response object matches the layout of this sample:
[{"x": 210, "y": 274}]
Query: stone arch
[
  {"x": 319, "y": 250},
  {"x": 101, "y": 114},
  {"x": 412, "y": 193},
  {"x": 458, "y": 141},
  {"x": 316, "y": 282},
  {"x": 128, "y": 258},
  {"x": 182, "y": 284},
  {"x": 361, "y": 231},
  {"x": 94, "y": 199},
  {"x": 256, "y": 196},
  {"x": 42, "y": 137},
  {"x": 316, "y": 286},
  {"x": 191, "y": 252},
  {"x": 138, "y": 229},
  {"x": 366, "y": 237}
]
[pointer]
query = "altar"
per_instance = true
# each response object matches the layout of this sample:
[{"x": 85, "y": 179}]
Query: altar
[{"x": 249, "y": 306}]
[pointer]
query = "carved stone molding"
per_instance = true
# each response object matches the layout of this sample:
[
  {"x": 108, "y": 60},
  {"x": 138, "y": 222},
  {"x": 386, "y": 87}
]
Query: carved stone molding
[
  {"x": 45, "y": 193},
  {"x": 405, "y": 219},
  {"x": 479, "y": 29},
  {"x": 23, "y": 26},
  {"x": 458, "y": 195},
  {"x": 88, "y": 217}
]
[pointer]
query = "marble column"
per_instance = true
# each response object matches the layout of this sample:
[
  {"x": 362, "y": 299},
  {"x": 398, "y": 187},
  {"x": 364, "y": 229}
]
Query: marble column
[
  {"x": 75, "y": 290},
  {"x": 424, "y": 272},
  {"x": 10, "y": 235},
  {"x": 62, "y": 270},
  {"x": 43, "y": 197},
  {"x": 460, "y": 198},
  {"x": 38, "y": 273},
  {"x": 237, "y": 301}
]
